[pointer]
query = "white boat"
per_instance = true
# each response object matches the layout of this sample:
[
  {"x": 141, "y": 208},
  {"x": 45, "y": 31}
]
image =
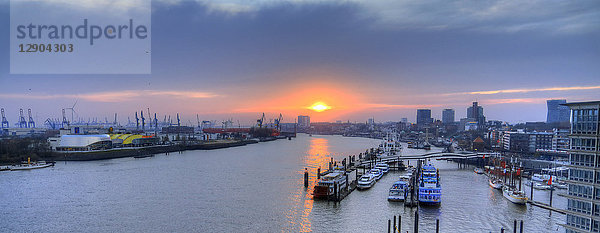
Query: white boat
[
  {"x": 30, "y": 166},
  {"x": 384, "y": 167},
  {"x": 495, "y": 183},
  {"x": 366, "y": 181},
  {"x": 478, "y": 170},
  {"x": 398, "y": 191},
  {"x": 540, "y": 177},
  {"x": 560, "y": 185},
  {"x": 514, "y": 196},
  {"x": 541, "y": 186},
  {"x": 377, "y": 173}
]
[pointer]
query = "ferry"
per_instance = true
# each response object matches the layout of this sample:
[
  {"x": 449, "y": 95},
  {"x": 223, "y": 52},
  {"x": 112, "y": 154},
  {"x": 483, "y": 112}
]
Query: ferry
[
  {"x": 514, "y": 196},
  {"x": 430, "y": 190},
  {"x": 31, "y": 166},
  {"x": 384, "y": 167},
  {"x": 325, "y": 186},
  {"x": 377, "y": 173},
  {"x": 366, "y": 181},
  {"x": 398, "y": 191},
  {"x": 495, "y": 183}
]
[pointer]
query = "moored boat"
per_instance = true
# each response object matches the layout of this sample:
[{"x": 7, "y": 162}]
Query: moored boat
[
  {"x": 325, "y": 187},
  {"x": 366, "y": 181},
  {"x": 430, "y": 190},
  {"x": 384, "y": 167},
  {"x": 478, "y": 170},
  {"x": 495, "y": 183},
  {"x": 514, "y": 196},
  {"x": 398, "y": 191},
  {"x": 377, "y": 173}
]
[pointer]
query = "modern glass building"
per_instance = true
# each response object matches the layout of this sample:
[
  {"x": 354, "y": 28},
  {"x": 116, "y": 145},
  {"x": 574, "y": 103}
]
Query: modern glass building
[
  {"x": 448, "y": 116},
  {"x": 424, "y": 117},
  {"x": 583, "y": 207},
  {"x": 557, "y": 112}
]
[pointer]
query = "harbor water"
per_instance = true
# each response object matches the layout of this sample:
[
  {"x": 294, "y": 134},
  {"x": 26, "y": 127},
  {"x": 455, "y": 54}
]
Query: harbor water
[{"x": 254, "y": 188}]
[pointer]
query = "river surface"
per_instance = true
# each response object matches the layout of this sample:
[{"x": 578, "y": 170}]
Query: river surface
[{"x": 254, "y": 188}]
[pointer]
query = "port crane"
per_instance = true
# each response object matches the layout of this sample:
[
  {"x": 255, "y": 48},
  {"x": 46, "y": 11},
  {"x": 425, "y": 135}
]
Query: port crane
[
  {"x": 22, "y": 123},
  {"x": 4, "y": 121},
  {"x": 64, "y": 118},
  {"x": 143, "y": 120},
  {"x": 30, "y": 123},
  {"x": 278, "y": 122},
  {"x": 260, "y": 121},
  {"x": 137, "y": 121},
  {"x": 178, "y": 120}
]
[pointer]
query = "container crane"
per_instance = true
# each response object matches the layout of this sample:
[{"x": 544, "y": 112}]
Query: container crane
[
  {"x": 64, "y": 118},
  {"x": 260, "y": 121},
  {"x": 30, "y": 123},
  {"x": 22, "y": 122},
  {"x": 143, "y": 120},
  {"x": 4, "y": 121},
  {"x": 137, "y": 121}
]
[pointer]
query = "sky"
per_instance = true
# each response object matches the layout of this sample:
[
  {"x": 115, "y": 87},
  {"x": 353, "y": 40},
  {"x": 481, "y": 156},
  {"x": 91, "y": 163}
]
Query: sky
[{"x": 381, "y": 59}]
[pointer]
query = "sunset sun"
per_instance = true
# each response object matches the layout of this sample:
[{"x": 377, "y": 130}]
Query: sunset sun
[{"x": 319, "y": 107}]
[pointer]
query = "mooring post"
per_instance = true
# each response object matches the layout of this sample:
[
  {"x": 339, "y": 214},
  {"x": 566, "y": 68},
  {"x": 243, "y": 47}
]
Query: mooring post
[
  {"x": 551, "y": 189},
  {"x": 319, "y": 173},
  {"x": 388, "y": 226},
  {"x": 399, "y": 223},
  {"x": 521, "y": 228},
  {"x": 417, "y": 221},
  {"x": 394, "y": 225},
  {"x": 437, "y": 225},
  {"x": 305, "y": 177},
  {"x": 531, "y": 195},
  {"x": 515, "y": 226}
]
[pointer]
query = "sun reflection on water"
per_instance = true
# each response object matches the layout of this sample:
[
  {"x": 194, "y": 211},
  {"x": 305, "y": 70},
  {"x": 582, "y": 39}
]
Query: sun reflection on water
[{"x": 316, "y": 156}]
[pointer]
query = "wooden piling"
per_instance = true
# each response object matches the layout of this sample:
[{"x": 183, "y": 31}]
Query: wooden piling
[
  {"x": 416, "y": 221},
  {"x": 521, "y": 227},
  {"x": 399, "y": 223},
  {"x": 437, "y": 225},
  {"x": 394, "y": 226},
  {"x": 515, "y": 226},
  {"x": 305, "y": 177},
  {"x": 319, "y": 173}
]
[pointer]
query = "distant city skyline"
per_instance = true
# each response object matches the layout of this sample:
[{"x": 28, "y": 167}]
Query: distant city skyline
[{"x": 360, "y": 59}]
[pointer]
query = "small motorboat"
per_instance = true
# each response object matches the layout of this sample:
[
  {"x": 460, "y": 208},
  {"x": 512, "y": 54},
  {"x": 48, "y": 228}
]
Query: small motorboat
[
  {"x": 478, "y": 170},
  {"x": 398, "y": 191}
]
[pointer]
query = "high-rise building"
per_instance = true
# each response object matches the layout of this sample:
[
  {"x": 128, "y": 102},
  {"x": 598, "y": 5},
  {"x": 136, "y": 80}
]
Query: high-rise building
[
  {"x": 304, "y": 122},
  {"x": 404, "y": 120},
  {"x": 583, "y": 194},
  {"x": 424, "y": 117},
  {"x": 476, "y": 112},
  {"x": 448, "y": 116},
  {"x": 556, "y": 112}
]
